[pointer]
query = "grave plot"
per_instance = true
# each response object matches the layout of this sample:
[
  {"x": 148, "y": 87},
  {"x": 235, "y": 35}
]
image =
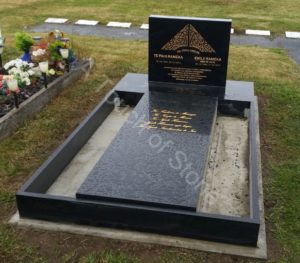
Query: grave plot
[{"x": 149, "y": 158}]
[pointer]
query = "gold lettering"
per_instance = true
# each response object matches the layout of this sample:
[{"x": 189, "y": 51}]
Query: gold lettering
[
  {"x": 170, "y": 121},
  {"x": 189, "y": 114},
  {"x": 176, "y": 120},
  {"x": 185, "y": 117},
  {"x": 168, "y": 56}
]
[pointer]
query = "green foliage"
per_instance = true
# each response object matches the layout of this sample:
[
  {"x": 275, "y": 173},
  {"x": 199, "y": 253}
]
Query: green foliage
[
  {"x": 23, "y": 41},
  {"x": 69, "y": 257},
  {"x": 54, "y": 50},
  {"x": 6, "y": 197},
  {"x": 113, "y": 257},
  {"x": 92, "y": 257},
  {"x": 9, "y": 245}
]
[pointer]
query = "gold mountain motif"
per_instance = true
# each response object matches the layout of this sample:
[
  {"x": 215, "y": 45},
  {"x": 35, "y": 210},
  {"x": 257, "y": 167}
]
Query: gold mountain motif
[{"x": 189, "y": 37}]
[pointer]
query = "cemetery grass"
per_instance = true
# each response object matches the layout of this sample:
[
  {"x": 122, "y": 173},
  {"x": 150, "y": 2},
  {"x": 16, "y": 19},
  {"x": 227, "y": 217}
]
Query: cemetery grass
[
  {"x": 277, "y": 82},
  {"x": 275, "y": 15}
]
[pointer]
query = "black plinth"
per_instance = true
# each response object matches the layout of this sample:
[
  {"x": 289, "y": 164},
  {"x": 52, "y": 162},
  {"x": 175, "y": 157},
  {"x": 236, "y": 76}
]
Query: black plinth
[
  {"x": 158, "y": 156},
  {"x": 34, "y": 203}
]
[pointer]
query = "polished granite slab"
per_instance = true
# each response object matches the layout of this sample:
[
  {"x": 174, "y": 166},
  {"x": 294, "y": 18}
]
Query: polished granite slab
[
  {"x": 190, "y": 52},
  {"x": 159, "y": 155}
]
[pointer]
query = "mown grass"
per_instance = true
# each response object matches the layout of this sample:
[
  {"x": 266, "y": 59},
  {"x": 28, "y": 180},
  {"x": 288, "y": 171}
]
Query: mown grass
[
  {"x": 94, "y": 257},
  {"x": 277, "y": 82},
  {"x": 275, "y": 15}
]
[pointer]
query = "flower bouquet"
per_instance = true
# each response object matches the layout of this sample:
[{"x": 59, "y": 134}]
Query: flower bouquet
[{"x": 22, "y": 71}]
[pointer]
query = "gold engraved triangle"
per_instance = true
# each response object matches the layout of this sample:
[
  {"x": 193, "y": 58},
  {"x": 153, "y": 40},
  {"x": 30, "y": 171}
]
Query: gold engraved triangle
[{"x": 188, "y": 37}]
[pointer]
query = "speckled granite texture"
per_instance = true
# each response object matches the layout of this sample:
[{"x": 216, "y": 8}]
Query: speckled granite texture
[{"x": 152, "y": 164}]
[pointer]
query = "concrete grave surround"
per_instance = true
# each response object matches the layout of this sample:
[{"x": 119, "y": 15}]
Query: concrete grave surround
[
  {"x": 144, "y": 26},
  {"x": 258, "y": 32},
  {"x": 86, "y": 22},
  {"x": 56, "y": 20},
  {"x": 119, "y": 24},
  {"x": 289, "y": 34}
]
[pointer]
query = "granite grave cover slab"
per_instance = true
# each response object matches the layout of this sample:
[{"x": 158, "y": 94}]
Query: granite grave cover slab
[{"x": 159, "y": 155}]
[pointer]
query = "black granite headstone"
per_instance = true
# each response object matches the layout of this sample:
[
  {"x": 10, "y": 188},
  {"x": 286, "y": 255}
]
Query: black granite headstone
[
  {"x": 188, "y": 51},
  {"x": 158, "y": 156}
]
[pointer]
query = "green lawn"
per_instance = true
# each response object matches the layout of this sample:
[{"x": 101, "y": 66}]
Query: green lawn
[
  {"x": 276, "y": 15},
  {"x": 277, "y": 82}
]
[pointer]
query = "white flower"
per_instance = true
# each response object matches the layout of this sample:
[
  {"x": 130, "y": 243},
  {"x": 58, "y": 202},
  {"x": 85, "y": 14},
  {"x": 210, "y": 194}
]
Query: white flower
[
  {"x": 13, "y": 71},
  {"x": 20, "y": 70},
  {"x": 27, "y": 81},
  {"x": 24, "y": 74},
  {"x": 30, "y": 72},
  {"x": 9, "y": 64}
]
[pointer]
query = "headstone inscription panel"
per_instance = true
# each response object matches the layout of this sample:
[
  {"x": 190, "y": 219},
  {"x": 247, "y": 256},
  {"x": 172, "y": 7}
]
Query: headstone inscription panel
[
  {"x": 159, "y": 155},
  {"x": 188, "y": 51}
]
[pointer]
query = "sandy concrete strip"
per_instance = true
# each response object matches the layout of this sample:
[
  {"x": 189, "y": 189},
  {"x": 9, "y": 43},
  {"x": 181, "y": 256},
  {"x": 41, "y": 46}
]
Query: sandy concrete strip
[
  {"x": 232, "y": 31},
  {"x": 258, "y": 32},
  {"x": 119, "y": 24},
  {"x": 56, "y": 20},
  {"x": 215, "y": 247},
  {"x": 262, "y": 239},
  {"x": 86, "y": 22},
  {"x": 225, "y": 189},
  {"x": 76, "y": 172},
  {"x": 289, "y": 34},
  {"x": 144, "y": 26}
]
